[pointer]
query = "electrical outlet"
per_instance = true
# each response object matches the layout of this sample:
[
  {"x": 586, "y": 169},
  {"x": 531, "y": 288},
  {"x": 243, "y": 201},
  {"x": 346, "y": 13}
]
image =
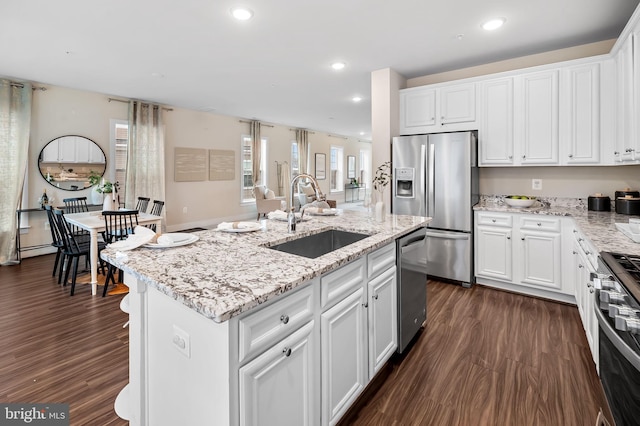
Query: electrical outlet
[
  {"x": 184, "y": 210},
  {"x": 536, "y": 184},
  {"x": 181, "y": 341}
]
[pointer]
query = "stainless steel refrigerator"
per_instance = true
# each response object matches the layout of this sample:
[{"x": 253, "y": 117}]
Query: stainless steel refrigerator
[{"x": 436, "y": 175}]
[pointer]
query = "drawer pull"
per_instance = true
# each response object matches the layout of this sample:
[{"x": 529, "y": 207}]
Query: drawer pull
[
  {"x": 284, "y": 319},
  {"x": 286, "y": 352}
]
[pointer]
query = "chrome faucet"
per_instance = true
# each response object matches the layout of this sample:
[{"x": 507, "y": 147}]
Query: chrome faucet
[{"x": 291, "y": 219}]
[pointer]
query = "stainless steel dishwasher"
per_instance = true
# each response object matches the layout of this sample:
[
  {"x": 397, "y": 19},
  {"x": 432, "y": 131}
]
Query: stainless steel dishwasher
[{"x": 411, "y": 251}]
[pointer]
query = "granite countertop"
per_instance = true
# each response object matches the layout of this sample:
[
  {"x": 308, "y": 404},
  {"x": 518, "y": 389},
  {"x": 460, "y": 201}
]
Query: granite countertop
[
  {"x": 224, "y": 274},
  {"x": 598, "y": 227}
]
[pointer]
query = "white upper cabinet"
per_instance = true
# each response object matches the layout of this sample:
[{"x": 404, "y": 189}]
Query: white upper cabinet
[
  {"x": 496, "y": 122},
  {"x": 430, "y": 110},
  {"x": 580, "y": 114},
  {"x": 536, "y": 117},
  {"x": 628, "y": 95}
]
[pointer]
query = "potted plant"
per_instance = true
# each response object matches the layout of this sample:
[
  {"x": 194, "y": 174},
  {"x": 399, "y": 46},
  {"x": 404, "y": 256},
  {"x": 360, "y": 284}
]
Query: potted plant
[
  {"x": 381, "y": 179},
  {"x": 110, "y": 188}
]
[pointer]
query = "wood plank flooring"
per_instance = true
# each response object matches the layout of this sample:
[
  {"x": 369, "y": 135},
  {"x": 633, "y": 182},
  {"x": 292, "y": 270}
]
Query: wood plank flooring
[
  {"x": 488, "y": 357},
  {"x": 485, "y": 358}
]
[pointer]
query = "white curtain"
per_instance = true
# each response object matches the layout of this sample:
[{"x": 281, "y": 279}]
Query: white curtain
[
  {"x": 145, "y": 155},
  {"x": 256, "y": 141},
  {"x": 302, "y": 138},
  {"x": 15, "y": 123}
]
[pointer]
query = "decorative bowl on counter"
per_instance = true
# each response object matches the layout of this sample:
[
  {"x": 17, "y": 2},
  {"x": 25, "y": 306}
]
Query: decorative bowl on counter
[{"x": 519, "y": 201}]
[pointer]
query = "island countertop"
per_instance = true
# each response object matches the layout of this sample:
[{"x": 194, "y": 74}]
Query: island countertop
[{"x": 224, "y": 274}]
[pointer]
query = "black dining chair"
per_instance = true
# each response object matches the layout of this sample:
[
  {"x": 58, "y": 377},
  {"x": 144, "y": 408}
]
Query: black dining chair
[
  {"x": 143, "y": 203},
  {"x": 73, "y": 249},
  {"x": 156, "y": 210},
  {"x": 118, "y": 225},
  {"x": 77, "y": 205},
  {"x": 56, "y": 241}
]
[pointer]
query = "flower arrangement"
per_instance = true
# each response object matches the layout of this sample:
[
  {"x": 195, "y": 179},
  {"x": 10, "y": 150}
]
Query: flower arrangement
[
  {"x": 107, "y": 187},
  {"x": 382, "y": 177}
]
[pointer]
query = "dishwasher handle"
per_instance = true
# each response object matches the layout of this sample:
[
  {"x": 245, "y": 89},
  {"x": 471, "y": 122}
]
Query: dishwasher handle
[{"x": 413, "y": 245}]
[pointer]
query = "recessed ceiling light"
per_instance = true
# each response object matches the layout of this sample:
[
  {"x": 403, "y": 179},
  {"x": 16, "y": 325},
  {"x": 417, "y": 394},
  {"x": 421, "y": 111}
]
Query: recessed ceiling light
[
  {"x": 338, "y": 65},
  {"x": 242, "y": 13},
  {"x": 356, "y": 99},
  {"x": 493, "y": 24}
]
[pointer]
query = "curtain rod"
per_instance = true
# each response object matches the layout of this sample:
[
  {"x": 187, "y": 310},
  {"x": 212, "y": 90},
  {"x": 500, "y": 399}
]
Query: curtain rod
[
  {"x": 21, "y": 86},
  {"x": 249, "y": 122},
  {"x": 339, "y": 137},
  {"x": 308, "y": 131},
  {"x": 126, "y": 102}
]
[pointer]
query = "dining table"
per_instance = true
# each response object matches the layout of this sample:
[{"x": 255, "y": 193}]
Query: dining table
[{"x": 94, "y": 223}]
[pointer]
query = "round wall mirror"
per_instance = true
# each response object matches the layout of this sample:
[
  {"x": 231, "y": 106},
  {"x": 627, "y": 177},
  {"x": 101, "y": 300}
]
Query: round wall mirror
[{"x": 66, "y": 162}]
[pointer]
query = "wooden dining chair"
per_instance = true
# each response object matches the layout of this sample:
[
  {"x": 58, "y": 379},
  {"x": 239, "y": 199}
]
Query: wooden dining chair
[
  {"x": 57, "y": 242},
  {"x": 156, "y": 210},
  {"x": 143, "y": 203},
  {"x": 73, "y": 249},
  {"x": 118, "y": 225}
]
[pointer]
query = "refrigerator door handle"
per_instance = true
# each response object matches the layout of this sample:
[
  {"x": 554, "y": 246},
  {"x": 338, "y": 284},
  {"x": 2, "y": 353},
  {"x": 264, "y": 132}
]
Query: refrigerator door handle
[
  {"x": 449, "y": 235},
  {"x": 431, "y": 179}
]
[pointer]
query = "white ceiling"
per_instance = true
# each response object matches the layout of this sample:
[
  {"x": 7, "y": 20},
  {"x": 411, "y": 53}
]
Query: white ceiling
[{"x": 275, "y": 67}]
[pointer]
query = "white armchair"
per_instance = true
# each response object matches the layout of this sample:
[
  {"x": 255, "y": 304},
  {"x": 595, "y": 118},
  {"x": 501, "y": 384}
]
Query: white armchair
[{"x": 266, "y": 200}]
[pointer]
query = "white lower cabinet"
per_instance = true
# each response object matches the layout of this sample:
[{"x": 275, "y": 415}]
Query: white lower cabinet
[
  {"x": 584, "y": 291},
  {"x": 299, "y": 359},
  {"x": 521, "y": 253},
  {"x": 278, "y": 387},
  {"x": 344, "y": 354}
]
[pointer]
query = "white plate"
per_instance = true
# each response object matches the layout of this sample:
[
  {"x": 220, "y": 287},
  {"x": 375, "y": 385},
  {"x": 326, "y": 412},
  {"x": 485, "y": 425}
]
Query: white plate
[
  {"x": 325, "y": 212},
  {"x": 246, "y": 227},
  {"x": 284, "y": 218},
  {"x": 179, "y": 239},
  {"x": 626, "y": 230}
]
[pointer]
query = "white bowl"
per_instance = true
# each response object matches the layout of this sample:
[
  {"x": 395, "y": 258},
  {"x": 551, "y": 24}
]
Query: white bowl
[{"x": 519, "y": 203}]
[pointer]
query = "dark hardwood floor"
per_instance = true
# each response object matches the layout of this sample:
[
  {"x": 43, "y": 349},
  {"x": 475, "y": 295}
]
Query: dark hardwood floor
[{"x": 485, "y": 358}]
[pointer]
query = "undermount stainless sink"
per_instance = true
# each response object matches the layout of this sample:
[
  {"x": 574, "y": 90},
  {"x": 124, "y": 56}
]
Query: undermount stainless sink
[{"x": 316, "y": 245}]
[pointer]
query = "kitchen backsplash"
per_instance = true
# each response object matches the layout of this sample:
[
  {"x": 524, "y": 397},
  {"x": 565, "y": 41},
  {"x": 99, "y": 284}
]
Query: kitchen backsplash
[{"x": 563, "y": 202}]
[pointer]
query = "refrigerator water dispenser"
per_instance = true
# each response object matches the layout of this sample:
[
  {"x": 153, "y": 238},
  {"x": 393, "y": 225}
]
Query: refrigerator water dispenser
[{"x": 404, "y": 177}]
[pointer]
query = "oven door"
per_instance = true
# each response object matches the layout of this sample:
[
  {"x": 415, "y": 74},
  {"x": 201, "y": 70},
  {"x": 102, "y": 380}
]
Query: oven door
[{"x": 619, "y": 371}]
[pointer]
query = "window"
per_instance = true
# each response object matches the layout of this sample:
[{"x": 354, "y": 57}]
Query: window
[
  {"x": 337, "y": 169},
  {"x": 119, "y": 146},
  {"x": 295, "y": 158},
  {"x": 365, "y": 167},
  {"x": 247, "y": 168}
]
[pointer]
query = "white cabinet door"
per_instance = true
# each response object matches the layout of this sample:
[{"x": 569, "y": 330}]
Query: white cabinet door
[
  {"x": 493, "y": 252},
  {"x": 417, "y": 110},
  {"x": 540, "y": 258},
  {"x": 625, "y": 136},
  {"x": 95, "y": 154},
  {"x": 580, "y": 114},
  {"x": 67, "y": 149},
  {"x": 343, "y": 354},
  {"x": 50, "y": 152},
  {"x": 83, "y": 150},
  {"x": 383, "y": 319},
  {"x": 496, "y": 122},
  {"x": 585, "y": 300},
  {"x": 537, "y": 132},
  {"x": 457, "y": 104},
  {"x": 278, "y": 388}
]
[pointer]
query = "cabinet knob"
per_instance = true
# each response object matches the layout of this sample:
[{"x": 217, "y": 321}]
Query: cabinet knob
[
  {"x": 286, "y": 352},
  {"x": 522, "y": 238},
  {"x": 284, "y": 319},
  {"x": 524, "y": 156},
  {"x": 616, "y": 152},
  {"x": 366, "y": 305},
  {"x": 508, "y": 237},
  {"x": 539, "y": 224},
  {"x": 493, "y": 220},
  {"x": 587, "y": 253},
  {"x": 580, "y": 266},
  {"x": 375, "y": 297},
  {"x": 511, "y": 157},
  {"x": 591, "y": 290},
  {"x": 574, "y": 252}
]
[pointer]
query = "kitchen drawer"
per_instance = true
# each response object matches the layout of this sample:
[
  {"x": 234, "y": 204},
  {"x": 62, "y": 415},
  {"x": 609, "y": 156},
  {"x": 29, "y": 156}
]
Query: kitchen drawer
[
  {"x": 260, "y": 330},
  {"x": 495, "y": 219},
  {"x": 381, "y": 260},
  {"x": 539, "y": 223},
  {"x": 336, "y": 285},
  {"x": 587, "y": 248}
]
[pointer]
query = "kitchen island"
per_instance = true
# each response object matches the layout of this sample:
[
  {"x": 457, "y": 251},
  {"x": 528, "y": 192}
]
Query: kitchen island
[{"x": 227, "y": 330}]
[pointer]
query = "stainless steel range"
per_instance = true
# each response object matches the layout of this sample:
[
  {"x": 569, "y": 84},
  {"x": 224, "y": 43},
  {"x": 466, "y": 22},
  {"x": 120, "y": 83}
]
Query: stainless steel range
[{"x": 618, "y": 310}]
